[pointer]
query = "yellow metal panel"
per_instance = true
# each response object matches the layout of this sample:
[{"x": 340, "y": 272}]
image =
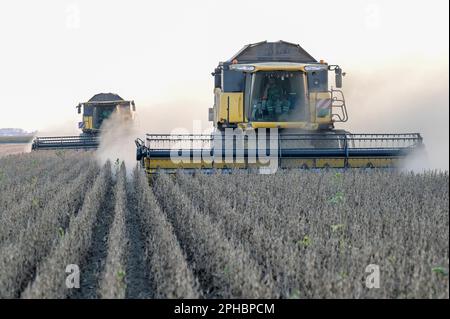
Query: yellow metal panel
[
  {"x": 165, "y": 163},
  {"x": 272, "y": 66},
  {"x": 217, "y": 93},
  {"x": 87, "y": 122},
  {"x": 314, "y": 97},
  {"x": 297, "y": 163},
  {"x": 152, "y": 165},
  {"x": 372, "y": 162},
  {"x": 235, "y": 114},
  {"x": 330, "y": 162},
  {"x": 299, "y": 125},
  {"x": 280, "y": 67},
  {"x": 229, "y": 165}
]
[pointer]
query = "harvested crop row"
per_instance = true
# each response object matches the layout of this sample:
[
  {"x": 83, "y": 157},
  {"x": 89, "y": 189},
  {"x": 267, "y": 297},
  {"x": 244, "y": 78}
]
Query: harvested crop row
[
  {"x": 113, "y": 284},
  {"x": 18, "y": 259},
  {"x": 224, "y": 270},
  {"x": 74, "y": 246},
  {"x": 170, "y": 276}
]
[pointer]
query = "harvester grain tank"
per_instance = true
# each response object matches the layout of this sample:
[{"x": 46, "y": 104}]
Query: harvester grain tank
[
  {"x": 277, "y": 86},
  {"x": 94, "y": 112}
]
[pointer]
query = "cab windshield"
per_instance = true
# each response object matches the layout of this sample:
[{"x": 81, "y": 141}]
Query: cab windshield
[
  {"x": 101, "y": 113},
  {"x": 278, "y": 96}
]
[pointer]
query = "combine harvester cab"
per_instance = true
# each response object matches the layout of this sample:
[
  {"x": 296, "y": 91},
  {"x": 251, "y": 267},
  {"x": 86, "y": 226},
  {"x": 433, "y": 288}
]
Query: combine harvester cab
[
  {"x": 278, "y": 94},
  {"x": 95, "y": 111}
]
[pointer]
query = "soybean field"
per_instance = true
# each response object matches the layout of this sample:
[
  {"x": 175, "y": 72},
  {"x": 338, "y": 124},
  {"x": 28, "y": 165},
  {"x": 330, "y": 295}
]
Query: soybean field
[{"x": 71, "y": 227}]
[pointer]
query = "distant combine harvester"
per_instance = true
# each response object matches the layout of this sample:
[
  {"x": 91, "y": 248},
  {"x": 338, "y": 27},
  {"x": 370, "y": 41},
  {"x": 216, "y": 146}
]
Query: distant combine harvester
[{"x": 94, "y": 112}]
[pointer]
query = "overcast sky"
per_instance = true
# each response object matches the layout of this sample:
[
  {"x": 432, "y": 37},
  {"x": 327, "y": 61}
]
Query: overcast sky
[{"x": 55, "y": 54}]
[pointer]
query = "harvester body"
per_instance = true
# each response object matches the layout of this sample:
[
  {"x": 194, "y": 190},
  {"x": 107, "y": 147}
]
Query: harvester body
[
  {"x": 276, "y": 85},
  {"x": 99, "y": 108},
  {"x": 94, "y": 112},
  {"x": 275, "y": 108}
]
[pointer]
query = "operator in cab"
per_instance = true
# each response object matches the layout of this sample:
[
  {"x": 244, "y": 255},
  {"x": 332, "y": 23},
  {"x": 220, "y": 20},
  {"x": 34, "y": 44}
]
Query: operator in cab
[{"x": 274, "y": 101}]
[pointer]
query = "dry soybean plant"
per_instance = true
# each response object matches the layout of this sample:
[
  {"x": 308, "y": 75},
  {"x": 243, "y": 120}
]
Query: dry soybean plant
[
  {"x": 75, "y": 244},
  {"x": 113, "y": 284},
  {"x": 294, "y": 234},
  {"x": 18, "y": 259},
  {"x": 170, "y": 276},
  {"x": 342, "y": 222},
  {"x": 225, "y": 270}
]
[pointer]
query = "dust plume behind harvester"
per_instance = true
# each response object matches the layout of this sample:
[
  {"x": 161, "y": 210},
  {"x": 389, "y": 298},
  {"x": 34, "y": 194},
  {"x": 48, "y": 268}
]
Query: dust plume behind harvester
[
  {"x": 94, "y": 112},
  {"x": 274, "y": 100}
]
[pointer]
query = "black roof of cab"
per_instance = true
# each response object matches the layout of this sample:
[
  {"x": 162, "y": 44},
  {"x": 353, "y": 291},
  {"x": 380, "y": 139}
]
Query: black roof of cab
[
  {"x": 280, "y": 51},
  {"x": 104, "y": 97}
]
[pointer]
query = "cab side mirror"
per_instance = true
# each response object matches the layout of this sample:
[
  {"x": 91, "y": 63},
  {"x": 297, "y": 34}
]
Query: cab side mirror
[
  {"x": 133, "y": 106},
  {"x": 338, "y": 77},
  {"x": 79, "y": 108}
]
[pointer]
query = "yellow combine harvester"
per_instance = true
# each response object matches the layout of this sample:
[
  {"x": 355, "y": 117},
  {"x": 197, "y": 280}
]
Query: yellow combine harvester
[
  {"x": 275, "y": 108},
  {"x": 95, "y": 111}
]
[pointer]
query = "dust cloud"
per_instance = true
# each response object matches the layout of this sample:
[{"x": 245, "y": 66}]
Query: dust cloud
[
  {"x": 417, "y": 162},
  {"x": 117, "y": 138},
  {"x": 64, "y": 128},
  {"x": 403, "y": 97},
  {"x": 173, "y": 116},
  {"x": 117, "y": 141}
]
